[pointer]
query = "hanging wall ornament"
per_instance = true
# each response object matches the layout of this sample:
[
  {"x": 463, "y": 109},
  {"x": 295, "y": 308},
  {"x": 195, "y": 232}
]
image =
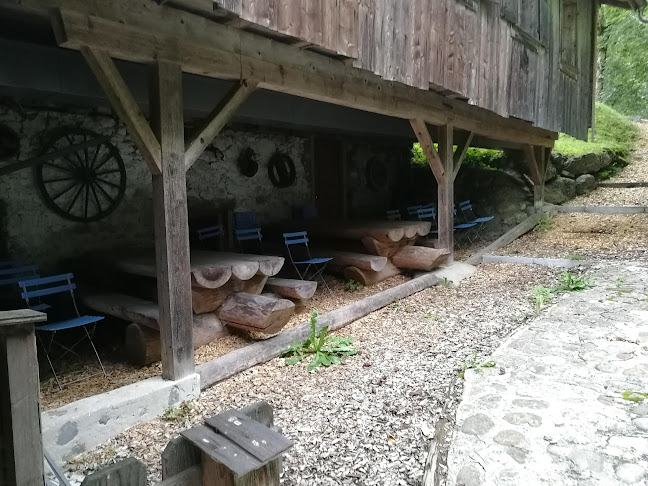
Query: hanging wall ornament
[
  {"x": 377, "y": 174},
  {"x": 281, "y": 170},
  {"x": 247, "y": 162}
]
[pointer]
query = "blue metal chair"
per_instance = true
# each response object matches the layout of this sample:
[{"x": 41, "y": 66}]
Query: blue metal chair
[
  {"x": 394, "y": 215},
  {"x": 429, "y": 214},
  {"x": 412, "y": 211},
  {"x": 299, "y": 254},
  {"x": 10, "y": 274},
  {"x": 245, "y": 220},
  {"x": 58, "y": 285},
  {"x": 249, "y": 239},
  {"x": 469, "y": 216},
  {"x": 210, "y": 232}
]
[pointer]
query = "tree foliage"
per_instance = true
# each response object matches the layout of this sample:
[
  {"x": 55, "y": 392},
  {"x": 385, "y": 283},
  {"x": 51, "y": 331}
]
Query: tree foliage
[{"x": 623, "y": 61}]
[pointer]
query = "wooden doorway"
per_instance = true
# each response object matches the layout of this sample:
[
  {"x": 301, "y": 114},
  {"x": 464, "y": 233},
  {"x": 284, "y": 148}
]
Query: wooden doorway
[{"x": 329, "y": 176}]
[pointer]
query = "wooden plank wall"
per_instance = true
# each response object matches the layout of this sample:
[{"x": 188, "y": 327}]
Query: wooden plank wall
[{"x": 501, "y": 55}]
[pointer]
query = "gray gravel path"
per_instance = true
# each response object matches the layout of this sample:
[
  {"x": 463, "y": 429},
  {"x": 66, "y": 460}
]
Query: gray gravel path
[{"x": 552, "y": 411}]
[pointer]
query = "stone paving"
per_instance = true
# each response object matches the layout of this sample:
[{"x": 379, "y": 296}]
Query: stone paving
[{"x": 552, "y": 411}]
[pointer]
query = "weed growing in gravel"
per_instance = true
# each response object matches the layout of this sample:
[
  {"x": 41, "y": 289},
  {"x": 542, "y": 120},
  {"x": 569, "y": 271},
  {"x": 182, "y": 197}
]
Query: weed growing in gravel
[
  {"x": 353, "y": 286},
  {"x": 634, "y": 396},
  {"x": 541, "y": 296},
  {"x": 544, "y": 224},
  {"x": 475, "y": 364},
  {"x": 576, "y": 256},
  {"x": 395, "y": 306},
  {"x": 572, "y": 283},
  {"x": 180, "y": 415},
  {"x": 446, "y": 283},
  {"x": 327, "y": 349},
  {"x": 434, "y": 317}
]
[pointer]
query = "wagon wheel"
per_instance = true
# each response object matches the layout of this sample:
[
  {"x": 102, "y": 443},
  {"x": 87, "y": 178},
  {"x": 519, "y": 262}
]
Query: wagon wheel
[{"x": 84, "y": 185}]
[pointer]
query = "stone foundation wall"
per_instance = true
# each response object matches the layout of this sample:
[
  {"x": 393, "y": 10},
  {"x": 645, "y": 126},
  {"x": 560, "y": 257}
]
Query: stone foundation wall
[{"x": 31, "y": 232}]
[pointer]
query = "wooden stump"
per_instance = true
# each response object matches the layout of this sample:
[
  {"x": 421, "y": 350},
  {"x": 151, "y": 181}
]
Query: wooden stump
[
  {"x": 256, "y": 312},
  {"x": 369, "y": 277},
  {"x": 419, "y": 257},
  {"x": 204, "y": 300},
  {"x": 291, "y": 288},
  {"x": 381, "y": 248}
]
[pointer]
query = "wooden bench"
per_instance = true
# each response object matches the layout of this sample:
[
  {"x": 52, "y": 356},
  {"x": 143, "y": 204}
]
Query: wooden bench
[{"x": 143, "y": 334}]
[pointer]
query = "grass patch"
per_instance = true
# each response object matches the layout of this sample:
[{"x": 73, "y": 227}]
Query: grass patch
[
  {"x": 474, "y": 363},
  {"x": 614, "y": 133},
  {"x": 544, "y": 224},
  {"x": 353, "y": 286},
  {"x": 180, "y": 414},
  {"x": 475, "y": 157},
  {"x": 634, "y": 396}
]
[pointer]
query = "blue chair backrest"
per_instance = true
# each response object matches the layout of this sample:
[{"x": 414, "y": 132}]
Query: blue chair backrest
[
  {"x": 300, "y": 237},
  {"x": 210, "y": 232},
  {"x": 465, "y": 205},
  {"x": 393, "y": 214},
  {"x": 248, "y": 234},
  {"x": 428, "y": 206},
  {"x": 40, "y": 287},
  {"x": 245, "y": 220},
  {"x": 13, "y": 274},
  {"x": 413, "y": 210},
  {"x": 297, "y": 246},
  {"x": 426, "y": 214}
]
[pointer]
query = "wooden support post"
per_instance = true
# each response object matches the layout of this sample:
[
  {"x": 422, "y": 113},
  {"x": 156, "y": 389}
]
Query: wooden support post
[
  {"x": 460, "y": 153},
  {"x": 21, "y": 444},
  {"x": 535, "y": 156},
  {"x": 446, "y": 191},
  {"x": 171, "y": 223}
]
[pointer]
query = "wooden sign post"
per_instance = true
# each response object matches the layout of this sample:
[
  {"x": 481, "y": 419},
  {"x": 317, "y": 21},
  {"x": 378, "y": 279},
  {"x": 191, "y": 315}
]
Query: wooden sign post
[{"x": 21, "y": 444}]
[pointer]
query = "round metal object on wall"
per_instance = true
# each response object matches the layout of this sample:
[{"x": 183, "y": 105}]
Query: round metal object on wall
[
  {"x": 377, "y": 174},
  {"x": 9, "y": 142},
  {"x": 247, "y": 162},
  {"x": 281, "y": 170},
  {"x": 85, "y": 184}
]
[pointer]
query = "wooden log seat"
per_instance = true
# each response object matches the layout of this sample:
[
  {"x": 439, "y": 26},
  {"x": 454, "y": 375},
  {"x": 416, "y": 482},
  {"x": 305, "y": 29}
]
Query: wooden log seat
[
  {"x": 370, "y": 277},
  {"x": 381, "y": 248},
  {"x": 348, "y": 259},
  {"x": 204, "y": 300},
  {"x": 143, "y": 334},
  {"x": 419, "y": 257},
  {"x": 291, "y": 288},
  {"x": 257, "y": 313}
]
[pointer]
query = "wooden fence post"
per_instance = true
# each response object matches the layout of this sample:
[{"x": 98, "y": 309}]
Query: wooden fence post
[{"x": 21, "y": 443}]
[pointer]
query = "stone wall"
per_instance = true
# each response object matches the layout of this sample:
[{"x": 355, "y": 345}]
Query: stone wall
[{"x": 32, "y": 233}]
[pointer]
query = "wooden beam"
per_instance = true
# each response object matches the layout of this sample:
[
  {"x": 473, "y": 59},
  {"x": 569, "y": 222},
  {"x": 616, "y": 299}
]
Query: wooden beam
[
  {"x": 21, "y": 446},
  {"x": 206, "y": 48},
  {"x": 124, "y": 104},
  {"x": 536, "y": 159},
  {"x": 529, "y": 153},
  {"x": 445, "y": 213},
  {"x": 171, "y": 223},
  {"x": 460, "y": 153},
  {"x": 216, "y": 120},
  {"x": 427, "y": 145}
]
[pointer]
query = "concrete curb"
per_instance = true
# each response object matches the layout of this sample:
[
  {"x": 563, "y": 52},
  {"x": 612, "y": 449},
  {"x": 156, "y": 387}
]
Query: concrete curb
[
  {"x": 549, "y": 262},
  {"x": 82, "y": 425},
  {"x": 603, "y": 209}
]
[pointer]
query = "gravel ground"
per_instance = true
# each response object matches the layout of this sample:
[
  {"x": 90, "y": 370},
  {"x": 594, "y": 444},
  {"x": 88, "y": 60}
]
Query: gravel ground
[
  {"x": 637, "y": 170},
  {"x": 612, "y": 196},
  {"x": 121, "y": 373},
  {"x": 370, "y": 420}
]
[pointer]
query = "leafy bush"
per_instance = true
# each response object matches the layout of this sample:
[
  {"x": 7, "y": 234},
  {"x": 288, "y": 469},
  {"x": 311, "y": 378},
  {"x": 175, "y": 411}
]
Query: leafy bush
[
  {"x": 353, "y": 286},
  {"x": 475, "y": 157},
  {"x": 327, "y": 349},
  {"x": 571, "y": 283},
  {"x": 614, "y": 133}
]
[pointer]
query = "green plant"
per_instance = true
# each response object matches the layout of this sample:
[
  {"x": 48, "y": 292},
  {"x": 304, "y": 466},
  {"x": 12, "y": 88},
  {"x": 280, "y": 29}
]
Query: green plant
[
  {"x": 620, "y": 281},
  {"x": 353, "y": 286},
  {"x": 541, "y": 296},
  {"x": 634, "y": 396},
  {"x": 475, "y": 157},
  {"x": 180, "y": 414},
  {"x": 544, "y": 224},
  {"x": 474, "y": 363},
  {"x": 327, "y": 349},
  {"x": 395, "y": 306},
  {"x": 572, "y": 283},
  {"x": 576, "y": 256},
  {"x": 446, "y": 283}
]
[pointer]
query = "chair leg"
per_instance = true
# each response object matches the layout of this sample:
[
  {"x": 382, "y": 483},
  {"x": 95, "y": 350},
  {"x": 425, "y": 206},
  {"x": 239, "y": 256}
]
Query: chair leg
[
  {"x": 320, "y": 275},
  {"x": 49, "y": 360},
  {"x": 95, "y": 349}
]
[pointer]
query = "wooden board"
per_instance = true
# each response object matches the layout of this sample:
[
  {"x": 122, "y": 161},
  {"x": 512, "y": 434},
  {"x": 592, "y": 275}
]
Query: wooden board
[{"x": 291, "y": 288}]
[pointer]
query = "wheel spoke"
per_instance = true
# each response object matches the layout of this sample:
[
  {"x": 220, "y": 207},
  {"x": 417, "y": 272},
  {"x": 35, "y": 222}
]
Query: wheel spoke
[
  {"x": 76, "y": 154},
  {"x": 99, "y": 179},
  {"x": 85, "y": 204},
  {"x": 96, "y": 153},
  {"x": 59, "y": 179},
  {"x": 74, "y": 199},
  {"x": 112, "y": 171},
  {"x": 106, "y": 195},
  {"x": 96, "y": 198},
  {"x": 64, "y": 191},
  {"x": 65, "y": 169},
  {"x": 85, "y": 151},
  {"x": 105, "y": 159}
]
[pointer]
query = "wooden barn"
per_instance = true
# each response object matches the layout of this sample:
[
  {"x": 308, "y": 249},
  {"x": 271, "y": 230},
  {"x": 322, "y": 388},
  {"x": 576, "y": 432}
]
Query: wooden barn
[{"x": 507, "y": 74}]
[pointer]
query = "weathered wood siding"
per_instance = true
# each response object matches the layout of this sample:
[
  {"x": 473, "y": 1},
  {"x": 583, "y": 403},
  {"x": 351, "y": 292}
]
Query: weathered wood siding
[{"x": 507, "y": 56}]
